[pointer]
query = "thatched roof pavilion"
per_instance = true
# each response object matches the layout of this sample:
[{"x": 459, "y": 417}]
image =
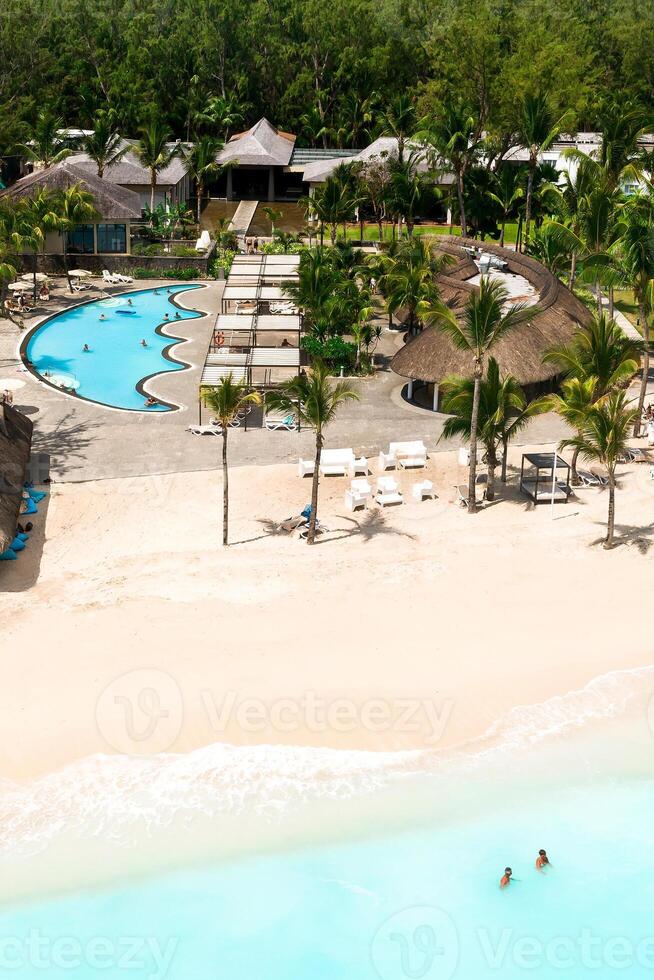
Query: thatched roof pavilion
[
  {"x": 431, "y": 356},
  {"x": 112, "y": 202},
  {"x": 15, "y": 444}
]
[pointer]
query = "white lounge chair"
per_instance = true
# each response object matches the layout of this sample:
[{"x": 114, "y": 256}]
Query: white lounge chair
[
  {"x": 409, "y": 454},
  {"x": 108, "y": 277},
  {"x": 359, "y": 465},
  {"x": 286, "y": 424},
  {"x": 589, "y": 479},
  {"x": 205, "y": 430},
  {"x": 419, "y": 491},
  {"x": 388, "y": 491},
  {"x": 387, "y": 461},
  {"x": 358, "y": 495},
  {"x": 336, "y": 462},
  {"x": 305, "y": 467},
  {"x": 203, "y": 242}
]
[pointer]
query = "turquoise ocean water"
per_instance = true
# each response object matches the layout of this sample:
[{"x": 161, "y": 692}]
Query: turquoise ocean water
[{"x": 414, "y": 898}]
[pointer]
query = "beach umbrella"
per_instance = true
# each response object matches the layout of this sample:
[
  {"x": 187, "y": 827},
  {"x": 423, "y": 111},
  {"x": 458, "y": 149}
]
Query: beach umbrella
[
  {"x": 79, "y": 273},
  {"x": 40, "y": 276},
  {"x": 18, "y": 287},
  {"x": 11, "y": 384}
]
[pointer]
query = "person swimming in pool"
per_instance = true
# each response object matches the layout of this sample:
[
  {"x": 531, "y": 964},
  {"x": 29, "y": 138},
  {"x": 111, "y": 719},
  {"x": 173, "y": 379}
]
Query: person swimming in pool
[
  {"x": 166, "y": 316},
  {"x": 86, "y": 348},
  {"x": 542, "y": 860},
  {"x": 150, "y": 402},
  {"x": 144, "y": 343},
  {"x": 178, "y": 316},
  {"x": 156, "y": 292},
  {"x": 102, "y": 316},
  {"x": 506, "y": 878},
  {"x": 129, "y": 302}
]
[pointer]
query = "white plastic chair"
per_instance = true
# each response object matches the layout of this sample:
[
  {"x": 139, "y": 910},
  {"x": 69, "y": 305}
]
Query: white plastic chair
[
  {"x": 358, "y": 495},
  {"x": 388, "y": 491}
]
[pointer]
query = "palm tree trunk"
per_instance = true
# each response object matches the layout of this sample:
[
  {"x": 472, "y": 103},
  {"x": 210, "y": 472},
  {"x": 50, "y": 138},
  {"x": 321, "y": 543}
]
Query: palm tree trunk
[
  {"x": 574, "y": 476},
  {"x": 530, "y": 190},
  {"x": 490, "y": 482},
  {"x": 598, "y": 295},
  {"x": 225, "y": 486},
  {"x": 573, "y": 269},
  {"x": 200, "y": 192},
  {"x": 65, "y": 258},
  {"x": 333, "y": 229},
  {"x": 472, "y": 473},
  {"x": 153, "y": 184},
  {"x": 502, "y": 232},
  {"x": 611, "y": 302},
  {"x": 505, "y": 453},
  {"x": 314, "y": 491},
  {"x": 645, "y": 367},
  {"x": 610, "y": 524},
  {"x": 462, "y": 209},
  {"x": 34, "y": 268}
]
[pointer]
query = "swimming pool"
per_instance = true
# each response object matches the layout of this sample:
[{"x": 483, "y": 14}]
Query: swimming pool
[{"x": 117, "y": 365}]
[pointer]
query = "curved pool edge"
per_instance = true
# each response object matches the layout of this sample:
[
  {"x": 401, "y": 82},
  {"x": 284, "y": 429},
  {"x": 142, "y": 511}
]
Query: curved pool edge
[{"x": 166, "y": 353}]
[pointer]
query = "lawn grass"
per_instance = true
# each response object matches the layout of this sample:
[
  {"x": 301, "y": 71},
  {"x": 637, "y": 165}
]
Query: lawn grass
[{"x": 371, "y": 232}]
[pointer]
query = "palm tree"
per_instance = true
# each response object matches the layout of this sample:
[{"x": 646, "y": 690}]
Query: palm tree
[
  {"x": 636, "y": 251},
  {"x": 227, "y": 400},
  {"x": 273, "y": 215},
  {"x": 547, "y": 245},
  {"x": 398, "y": 120},
  {"x": 572, "y": 403},
  {"x": 538, "y": 129},
  {"x": 408, "y": 280},
  {"x": 408, "y": 191},
  {"x": 104, "y": 145},
  {"x": 153, "y": 151},
  {"x": 482, "y": 324},
  {"x": 316, "y": 402},
  {"x": 602, "y": 438},
  {"x": 44, "y": 145},
  {"x": 201, "y": 163},
  {"x": 224, "y": 112},
  {"x": 73, "y": 206},
  {"x": 454, "y": 138},
  {"x": 31, "y": 218},
  {"x": 507, "y": 193},
  {"x": 8, "y": 272}
]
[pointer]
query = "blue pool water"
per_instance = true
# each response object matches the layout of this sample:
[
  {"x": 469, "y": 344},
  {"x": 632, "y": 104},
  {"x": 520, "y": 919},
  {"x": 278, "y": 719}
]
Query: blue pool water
[{"x": 116, "y": 362}]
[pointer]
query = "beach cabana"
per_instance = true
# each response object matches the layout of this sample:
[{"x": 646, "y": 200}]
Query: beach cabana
[
  {"x": 15, "y": 446},
  {"x": 540, "y": 480}
]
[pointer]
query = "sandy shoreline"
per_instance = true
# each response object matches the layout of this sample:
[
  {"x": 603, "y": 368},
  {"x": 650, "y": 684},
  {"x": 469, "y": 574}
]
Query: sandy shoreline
[{"x": 414, "y": 629}]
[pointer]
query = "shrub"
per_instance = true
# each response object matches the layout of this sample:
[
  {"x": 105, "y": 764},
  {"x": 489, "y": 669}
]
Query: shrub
[
  {"x": 335, "y": 352},
  {"x": 222, "y": 260},
  {"x": 156, "y": 248},
  {"x": 183, "y": 251},
  {"x": 175, "y": 273}
]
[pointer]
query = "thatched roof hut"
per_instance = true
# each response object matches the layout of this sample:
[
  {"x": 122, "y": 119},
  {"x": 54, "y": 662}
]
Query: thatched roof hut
[
  {"x": 15, "y": 444},
  {"x": 431, "y": 356},
  {"x": 112, "y": 202}
]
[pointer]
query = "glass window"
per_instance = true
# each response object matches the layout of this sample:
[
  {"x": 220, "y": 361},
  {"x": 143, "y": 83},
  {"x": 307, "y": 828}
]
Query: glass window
[
  {"x": 112, "y": 238},
  {"x": 80, "y": 240}
]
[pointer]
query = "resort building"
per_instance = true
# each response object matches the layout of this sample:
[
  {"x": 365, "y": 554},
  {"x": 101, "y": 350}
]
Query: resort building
[
  {"x": 173, "y": 183},
  {"x": 118, "y": 208},
  {"x": 552, "y": 316}
]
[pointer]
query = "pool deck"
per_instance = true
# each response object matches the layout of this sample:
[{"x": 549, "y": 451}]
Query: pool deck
[{"x": 85, "y": 441}]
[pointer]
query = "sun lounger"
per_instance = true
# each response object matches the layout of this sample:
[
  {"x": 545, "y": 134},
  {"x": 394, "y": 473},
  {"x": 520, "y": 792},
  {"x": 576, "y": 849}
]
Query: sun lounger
[
  {"x": 286, "y": 424},
  {"x": 409, "y": 453},
  {"x": 602, "y": 477},
  {"x": 108, "y": 277},
  {"x": 119, "y": 278},
  {"x": 305, "y": 467},
  {"x": 292, "y": 524},
  {"x": 589, "y": 479},
  {"x": 205, "y": 430},
  {"x": 462, "y": 492},
  {"x": 388, "y": 491},
  {"x": 320, "y": 529},
  {"x": 358, "y": 495}
]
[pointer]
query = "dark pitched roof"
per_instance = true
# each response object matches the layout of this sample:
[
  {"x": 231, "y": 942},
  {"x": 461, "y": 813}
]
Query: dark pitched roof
[
  {"x": 15, "y": 443},
  {"x": 114, "y": 203},
  {"x": 431, "y": 356},
  {"x": 263, "y": 145},
  {"x": 130, "y": 171}
]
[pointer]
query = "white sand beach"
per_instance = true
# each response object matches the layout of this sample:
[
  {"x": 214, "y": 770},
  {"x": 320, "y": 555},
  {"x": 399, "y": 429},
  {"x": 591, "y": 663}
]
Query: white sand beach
[{"x": 414, "y": 628}]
